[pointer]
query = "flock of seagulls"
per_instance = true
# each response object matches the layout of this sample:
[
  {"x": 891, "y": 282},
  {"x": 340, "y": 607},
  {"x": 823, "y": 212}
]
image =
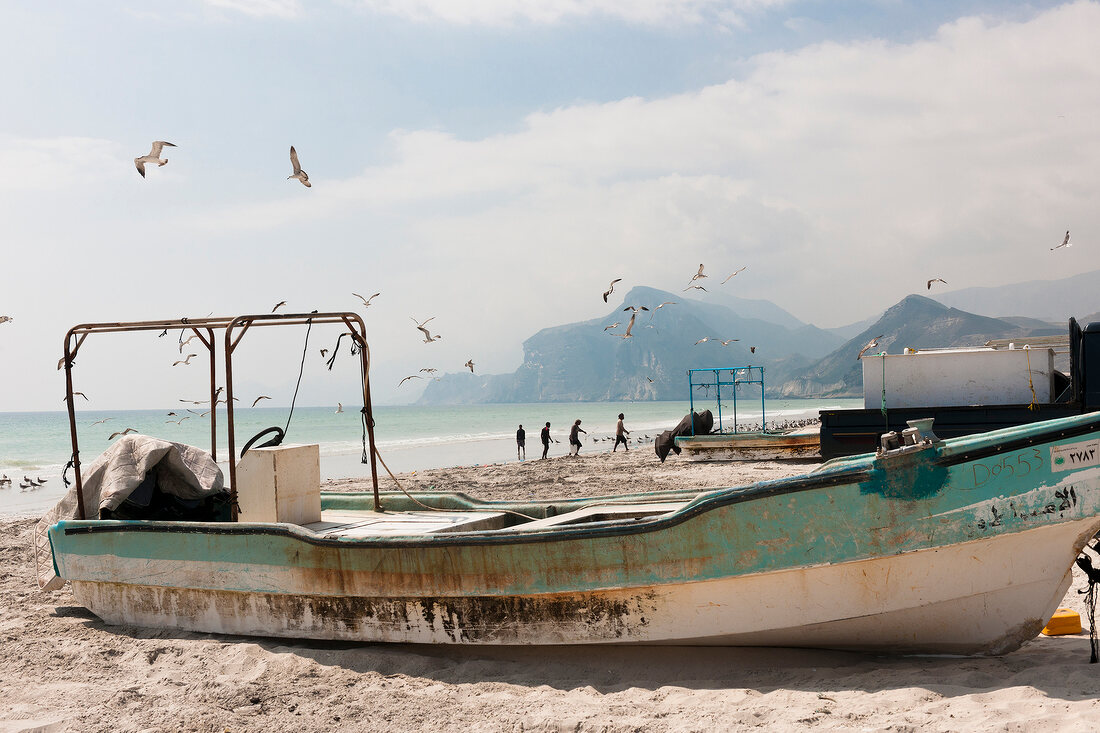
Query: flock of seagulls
[
  {"x": 699, "y": 275},
  {"x": 27, "y": 484}
]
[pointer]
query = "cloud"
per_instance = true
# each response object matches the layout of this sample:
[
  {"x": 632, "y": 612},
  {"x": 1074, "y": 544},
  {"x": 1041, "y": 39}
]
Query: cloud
[
  {"x": 259, "y": 8},
  {"x": 43, "y": 164},
  {"x": 851, "y": 162},
  {"x": 506, "y": 12}
]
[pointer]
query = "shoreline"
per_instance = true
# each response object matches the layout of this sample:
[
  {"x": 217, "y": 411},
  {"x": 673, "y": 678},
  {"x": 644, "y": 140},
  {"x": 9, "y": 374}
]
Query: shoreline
[{"x": 60, "y": 665}]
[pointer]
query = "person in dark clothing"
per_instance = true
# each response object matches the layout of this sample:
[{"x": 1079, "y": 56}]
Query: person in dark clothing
[
  {"x": 546, "y": 439},
  {"x": 521, "y": 440},
  {"x": 620, "y": 435},
  {"x": 575, "y": 439}
]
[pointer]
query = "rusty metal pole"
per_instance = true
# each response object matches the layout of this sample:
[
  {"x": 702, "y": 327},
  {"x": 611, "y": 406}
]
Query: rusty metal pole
[
  {"x": 211, "y": 347},
  {"x": 229, "y": 418},
  {"x": 72, "y": 424}
]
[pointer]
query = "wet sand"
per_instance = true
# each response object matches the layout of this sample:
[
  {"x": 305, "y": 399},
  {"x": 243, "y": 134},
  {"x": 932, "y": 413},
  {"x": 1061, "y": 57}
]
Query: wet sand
[{"x": 63, "y": 669}]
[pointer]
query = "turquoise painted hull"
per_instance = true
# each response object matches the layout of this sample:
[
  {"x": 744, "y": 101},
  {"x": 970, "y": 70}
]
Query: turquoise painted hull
[{"x": 769, "y": 555}]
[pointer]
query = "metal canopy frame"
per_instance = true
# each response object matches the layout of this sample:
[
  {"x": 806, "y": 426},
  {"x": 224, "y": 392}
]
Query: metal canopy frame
[
  {"x": 235, "y": 329},
  {"x": 737, "y": 377}
]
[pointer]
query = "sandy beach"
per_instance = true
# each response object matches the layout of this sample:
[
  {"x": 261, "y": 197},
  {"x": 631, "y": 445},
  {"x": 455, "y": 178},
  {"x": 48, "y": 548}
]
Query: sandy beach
[{"x": 63, "y": 669}]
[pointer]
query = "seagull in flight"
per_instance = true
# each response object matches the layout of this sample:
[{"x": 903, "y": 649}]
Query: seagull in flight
[
  {"x": 696, "y": 287},
  {"x": 5, "y": 319},
  {"x": 97, "y": 422},
  {"x": 752, "y": 349},
  {"x": 191, "y": 338},
  {"x": 429, "y": 370},
  {"x": 699, "y": 274},
  {"x": 411, "y": 376},
  {"x": 936, "y": 280},
  {"x": 298, "y": 173},
  {"x": 702, "y": 340},
  {"x": 611, "y": 288},
  {"x": 731, "y": 276},
  {"x": 187, "y": 361},
  {"x": 630, "y": 324},
  {"x": 469, "y": 365},
  {"x": 428, "y": 338},
  {"x": 727, "y": 342},
  {"x": 261, "y": 397},
  {"x": 339, "y": 408},
  {"x": 278, "y": 305},
  {"x": 613, "y": 325},
  {"x": 127, "y": 431},
  {"x": 366, "y": 301},
  {"x": 152, "y": 157},
  {"x": 662, "y": 305},
  {"x": 870, "y": 345},
  {"x": 1065, "y": 242},
  {"x": 178, "y": 422}
]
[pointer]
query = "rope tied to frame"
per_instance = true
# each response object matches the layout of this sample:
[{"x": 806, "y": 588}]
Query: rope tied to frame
[
  {"x": 1030, "y": 384},
  {"x": 1085, "y": 563}
]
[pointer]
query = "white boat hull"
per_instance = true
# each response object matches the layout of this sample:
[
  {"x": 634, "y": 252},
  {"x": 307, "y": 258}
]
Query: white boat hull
[{"x": 977, "y": 597}]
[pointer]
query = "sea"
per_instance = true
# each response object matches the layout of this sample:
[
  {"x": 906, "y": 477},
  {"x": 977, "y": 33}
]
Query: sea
[{"x": 37, "y": 445}]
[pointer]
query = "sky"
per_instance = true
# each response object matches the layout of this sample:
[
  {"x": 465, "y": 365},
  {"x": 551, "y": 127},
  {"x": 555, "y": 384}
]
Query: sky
[{"x": 495, "y": 163}]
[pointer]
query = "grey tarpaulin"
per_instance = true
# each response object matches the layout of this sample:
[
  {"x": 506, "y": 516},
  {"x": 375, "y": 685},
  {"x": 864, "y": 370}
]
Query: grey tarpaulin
[
  {"x": 704, "y": 422},
  {"x": 181, "y": 470}
]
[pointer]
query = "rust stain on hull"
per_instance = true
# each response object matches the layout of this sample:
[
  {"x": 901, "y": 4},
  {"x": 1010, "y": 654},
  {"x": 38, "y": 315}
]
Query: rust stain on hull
[{"x": 554, "y": 618}]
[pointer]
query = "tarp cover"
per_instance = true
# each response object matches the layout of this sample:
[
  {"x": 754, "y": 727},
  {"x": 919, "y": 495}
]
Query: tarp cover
[
  {"x": 183, "y": 471},
  {"x": 666, "y": 441}
]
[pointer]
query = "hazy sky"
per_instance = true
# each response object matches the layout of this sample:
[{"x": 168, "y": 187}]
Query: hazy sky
[{"x": 494, "y": 163}]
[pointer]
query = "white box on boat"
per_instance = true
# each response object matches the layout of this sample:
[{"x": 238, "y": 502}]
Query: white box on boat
[
  {"x": 280, "y": 484},
  {"x": 949, "y": 377}
]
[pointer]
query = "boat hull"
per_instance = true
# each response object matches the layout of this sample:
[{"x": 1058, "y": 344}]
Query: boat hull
[
  {"x": 981, "y": 597},
  {"x": 751, "y": 447},
  {"x": 960, "y": 547}
]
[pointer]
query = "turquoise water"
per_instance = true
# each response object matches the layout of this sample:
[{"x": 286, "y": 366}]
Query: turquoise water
[{"x": 37, "y": 444}]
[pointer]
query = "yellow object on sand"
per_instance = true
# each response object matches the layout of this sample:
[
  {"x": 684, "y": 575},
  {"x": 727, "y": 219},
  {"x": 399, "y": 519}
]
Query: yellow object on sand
[{"x": 1064, "y": 621}]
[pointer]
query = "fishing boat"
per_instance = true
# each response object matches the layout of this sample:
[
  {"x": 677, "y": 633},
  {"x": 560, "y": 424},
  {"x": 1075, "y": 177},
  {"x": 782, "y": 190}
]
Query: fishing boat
[
  {"x": 958, "y": 546},
  {"x": 731, "y": 441}
]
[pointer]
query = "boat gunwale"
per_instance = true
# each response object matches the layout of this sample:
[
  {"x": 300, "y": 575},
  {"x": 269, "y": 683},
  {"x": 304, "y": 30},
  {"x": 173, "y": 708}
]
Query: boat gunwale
[{"x": 702, "y": 504}]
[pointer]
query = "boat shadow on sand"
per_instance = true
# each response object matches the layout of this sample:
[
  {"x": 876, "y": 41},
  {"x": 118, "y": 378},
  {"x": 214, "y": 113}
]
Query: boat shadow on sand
[{"x": 1056, "y": 666}]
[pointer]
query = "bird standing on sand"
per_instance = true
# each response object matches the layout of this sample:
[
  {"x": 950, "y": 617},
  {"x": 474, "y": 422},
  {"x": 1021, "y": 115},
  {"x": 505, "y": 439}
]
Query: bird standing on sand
[
  {"x": 261, "y": 397},
  {"x": 127, "y": 431},
  {"x": 469, "y": 365},
  {"x": 152, "y": 157},
  {"x": 1065, "y": 242},
  {"x": 728, "y": 278},
  {"x": 185, "y": 362},
  {"x": 611, "y": 288},
  {"x": 870, "y": 345},
  {"x": 428, "y": 338},
  {"x": 936, "y": 280},
  {"x": 298, "y": 173},
  {"x": 366, "y": 301}
]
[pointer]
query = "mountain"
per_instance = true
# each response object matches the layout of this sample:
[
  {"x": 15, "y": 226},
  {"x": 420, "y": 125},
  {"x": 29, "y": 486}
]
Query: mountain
[
  {"x": 1054, "y": 300},
  {"x": 583, "y": 361},
  {"x": 761, "y": 310},
  {"x": 916, "y": 322}
]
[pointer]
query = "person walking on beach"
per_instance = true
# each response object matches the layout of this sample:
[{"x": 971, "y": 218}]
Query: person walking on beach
[
  {"x": 521, "y": 439},
  {"x": 574, "y": 438},
  {"x": 546, "y": 439},
  {"x": 620, "y": 435}
]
